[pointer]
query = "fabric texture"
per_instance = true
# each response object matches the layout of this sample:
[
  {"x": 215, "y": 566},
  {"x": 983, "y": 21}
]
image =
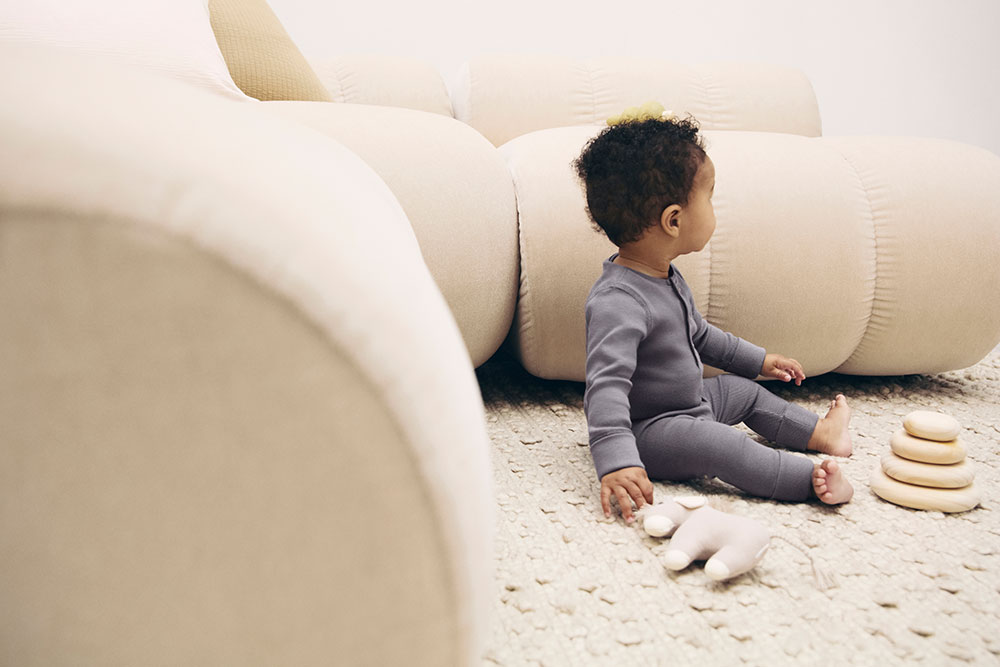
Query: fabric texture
[
  {"x": 854, "y": 254},
  {"x": 288, "y": 221},
  {"x": 263, "y": 60},
  {"x": 682, "y": 448},
  {"x": 172, "y": 37},
  {"x": 508, "y": 95},
  {"x": 181, "y": 437},
  {"x": 860, "y": 584},
  {"x": 645, "y": 345},
  {"x": 458, "y": 196},
  {"x": 382, "y": 80}
]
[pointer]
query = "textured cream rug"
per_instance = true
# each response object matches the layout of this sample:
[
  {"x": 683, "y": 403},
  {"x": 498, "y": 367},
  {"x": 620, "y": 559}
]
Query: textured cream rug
[{"x": 868, "y": 583}]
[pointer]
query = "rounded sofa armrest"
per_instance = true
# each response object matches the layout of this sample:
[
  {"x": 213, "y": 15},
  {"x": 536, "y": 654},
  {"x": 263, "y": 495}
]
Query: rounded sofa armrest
[
  {"x": 384, "y": 80},
  {"x": 458, "y": 195},
  {"x": 232, "y": 435},
  {"x": 506, "y": 96}
]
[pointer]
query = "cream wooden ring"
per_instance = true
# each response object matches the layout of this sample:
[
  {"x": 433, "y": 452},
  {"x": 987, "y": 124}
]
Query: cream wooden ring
[
  {"x": 931, "y": 425},
  {"x": 923, "y": 497},
  {"x": 926, "y": 451},
  {"x": 952, "y": 476}
]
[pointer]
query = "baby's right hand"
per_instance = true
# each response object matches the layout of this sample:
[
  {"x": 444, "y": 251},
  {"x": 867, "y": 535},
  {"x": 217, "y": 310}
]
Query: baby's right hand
[{"x": 627, "y": 484}]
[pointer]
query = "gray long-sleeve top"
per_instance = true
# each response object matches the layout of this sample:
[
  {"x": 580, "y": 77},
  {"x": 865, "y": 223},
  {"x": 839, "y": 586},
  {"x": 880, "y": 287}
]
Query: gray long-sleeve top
[{"x": 645, "y": 346}]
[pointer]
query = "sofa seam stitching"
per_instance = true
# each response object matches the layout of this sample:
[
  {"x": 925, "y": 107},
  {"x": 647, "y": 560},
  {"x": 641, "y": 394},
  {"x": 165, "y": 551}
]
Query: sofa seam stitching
[
  {"x": 593, "y": 95},
  {"x": 707, "y": 96},
  {"x": 525, "y": 325},
  {"x": 335, "y": 69},
  {"x": 875, "y": 282}
]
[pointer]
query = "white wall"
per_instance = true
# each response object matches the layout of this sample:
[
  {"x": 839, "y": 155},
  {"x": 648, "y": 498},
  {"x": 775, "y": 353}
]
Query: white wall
[{"x": 917, "y": 67}]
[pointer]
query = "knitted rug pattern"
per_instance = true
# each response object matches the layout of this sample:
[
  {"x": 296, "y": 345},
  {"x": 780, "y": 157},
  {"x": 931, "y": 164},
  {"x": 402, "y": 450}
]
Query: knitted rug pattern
[{"x": 863, "y": 583}]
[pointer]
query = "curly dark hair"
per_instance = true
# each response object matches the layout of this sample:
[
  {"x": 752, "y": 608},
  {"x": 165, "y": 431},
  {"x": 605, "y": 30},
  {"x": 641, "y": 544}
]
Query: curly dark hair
[{"x": 634, "y": 170}]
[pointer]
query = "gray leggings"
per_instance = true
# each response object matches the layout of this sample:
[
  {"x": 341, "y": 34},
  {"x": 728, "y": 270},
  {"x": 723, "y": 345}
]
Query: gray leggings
[{"x": 683, "y": 447}]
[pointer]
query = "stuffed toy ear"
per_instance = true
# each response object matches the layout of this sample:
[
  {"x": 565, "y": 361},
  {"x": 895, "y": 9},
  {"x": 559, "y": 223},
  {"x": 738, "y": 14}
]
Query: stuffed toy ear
[
  {"x": 662, "y": 519},
  {"x": 659, "y": 526}
]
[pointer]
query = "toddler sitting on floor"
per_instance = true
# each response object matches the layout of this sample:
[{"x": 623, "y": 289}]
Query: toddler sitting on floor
[{"x": 649, "y": 186}]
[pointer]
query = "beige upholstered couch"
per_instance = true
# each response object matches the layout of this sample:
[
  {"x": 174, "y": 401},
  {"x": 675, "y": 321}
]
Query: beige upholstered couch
[
  {"x": 861, "y": 255},
  {"x": 240, "y": 420}
]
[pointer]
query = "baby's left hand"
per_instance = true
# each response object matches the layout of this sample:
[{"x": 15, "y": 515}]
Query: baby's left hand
[{"x": 783, "y": 368}]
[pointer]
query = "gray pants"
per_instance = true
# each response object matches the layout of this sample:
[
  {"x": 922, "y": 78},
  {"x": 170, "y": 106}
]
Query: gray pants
[{"x": 702, "y": 444}]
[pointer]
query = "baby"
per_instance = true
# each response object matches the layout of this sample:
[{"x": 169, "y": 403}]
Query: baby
[{"x": 649, "y": 187}]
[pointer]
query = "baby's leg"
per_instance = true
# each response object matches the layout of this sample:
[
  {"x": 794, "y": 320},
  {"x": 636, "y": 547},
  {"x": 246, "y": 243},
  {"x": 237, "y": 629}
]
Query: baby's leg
[
  {"x": 832, "y": 434},
  {"x": 682, "y": 448},
  {"x": 736, "y": 399},
  {"x": 830, "y": 485}
]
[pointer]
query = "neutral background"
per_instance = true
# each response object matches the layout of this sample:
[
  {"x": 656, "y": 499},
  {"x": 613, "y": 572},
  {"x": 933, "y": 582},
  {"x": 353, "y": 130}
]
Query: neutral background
[{"x": 910, "y": 67}]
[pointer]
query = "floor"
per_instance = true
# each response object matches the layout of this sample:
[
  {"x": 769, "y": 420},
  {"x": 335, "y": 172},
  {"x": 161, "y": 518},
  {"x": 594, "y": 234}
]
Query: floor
[{"x": 865, "y": 583}]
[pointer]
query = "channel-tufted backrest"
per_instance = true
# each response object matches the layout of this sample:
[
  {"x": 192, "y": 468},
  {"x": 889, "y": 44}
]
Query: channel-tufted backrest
[
  {"x": 862, "y": 255},
  {"x": 506, "y": 96}
]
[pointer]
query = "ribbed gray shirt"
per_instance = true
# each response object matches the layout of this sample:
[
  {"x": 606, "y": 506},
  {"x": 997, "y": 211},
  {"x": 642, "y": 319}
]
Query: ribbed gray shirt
[{"x": 645, "y": 346}]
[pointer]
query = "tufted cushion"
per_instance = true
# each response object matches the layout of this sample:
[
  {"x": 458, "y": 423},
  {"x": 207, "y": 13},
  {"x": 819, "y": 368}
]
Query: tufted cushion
[
  {"x": 505, "y": 96},
  {"x": 862, "y": 255},
  {"x": 382, "y": 80},
  {"x": 457, "y": 194}
]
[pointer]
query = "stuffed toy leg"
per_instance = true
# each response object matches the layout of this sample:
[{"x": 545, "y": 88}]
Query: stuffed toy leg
[{"x": 731, "y": 544}]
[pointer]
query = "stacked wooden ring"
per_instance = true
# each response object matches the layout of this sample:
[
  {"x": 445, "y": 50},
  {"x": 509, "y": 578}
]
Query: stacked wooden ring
[{"x": 926, "y": 469}]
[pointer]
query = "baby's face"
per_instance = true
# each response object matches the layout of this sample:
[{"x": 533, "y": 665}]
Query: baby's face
[{"x": 699, "y": 215}]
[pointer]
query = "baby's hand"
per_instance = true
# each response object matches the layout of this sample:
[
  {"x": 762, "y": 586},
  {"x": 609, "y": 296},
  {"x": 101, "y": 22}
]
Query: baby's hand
[
  {"x": 782, "y": 368},
  {"x": 627, "y": 484}
]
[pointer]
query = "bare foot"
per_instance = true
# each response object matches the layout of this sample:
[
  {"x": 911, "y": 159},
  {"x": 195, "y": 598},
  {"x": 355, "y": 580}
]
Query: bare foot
[
  {"x": 830, "y": 484},
  {"x": 831, "y": 435}
]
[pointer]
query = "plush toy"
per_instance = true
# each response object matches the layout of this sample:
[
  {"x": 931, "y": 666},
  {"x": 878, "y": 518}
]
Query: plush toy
[{"x": 732, "y": 544}]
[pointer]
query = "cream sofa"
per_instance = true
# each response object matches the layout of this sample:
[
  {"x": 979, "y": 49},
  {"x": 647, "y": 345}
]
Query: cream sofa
[
  {"x": 240, "y": 424},
  {"x": 861, "y": 255},
  {"x": 823, "y": 243},
  {"x": 241, "y": 418}
]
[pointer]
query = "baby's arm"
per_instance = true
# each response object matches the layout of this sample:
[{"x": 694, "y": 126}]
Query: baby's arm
[
  {"x": 626, "y": 484},
  {"x": 734, "y": 354},
  {"x": 616, "y": 323},
  {"x": 783, "y": 368},
  {"x": 725, "y": 351}
]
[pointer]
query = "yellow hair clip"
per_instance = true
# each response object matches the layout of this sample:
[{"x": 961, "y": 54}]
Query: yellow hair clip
[{"x": 648, "y": 111}]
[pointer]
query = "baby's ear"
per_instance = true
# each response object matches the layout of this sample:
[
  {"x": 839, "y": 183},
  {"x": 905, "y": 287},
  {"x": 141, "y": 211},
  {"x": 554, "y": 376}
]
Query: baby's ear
[{"x": 670, "y": 220}]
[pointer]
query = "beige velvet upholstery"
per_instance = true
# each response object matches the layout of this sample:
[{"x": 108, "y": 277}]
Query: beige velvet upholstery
[
  {"x": 457, "y": 194},
  {"x": 262, "y": 59},
  {"x": 505, "y": 96},
  {"x": 384, "y": 80},
  {"x": 229, "y": 437},
  {"x": 188, "y": 466},
  {"x": 861, "y": 255}
]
